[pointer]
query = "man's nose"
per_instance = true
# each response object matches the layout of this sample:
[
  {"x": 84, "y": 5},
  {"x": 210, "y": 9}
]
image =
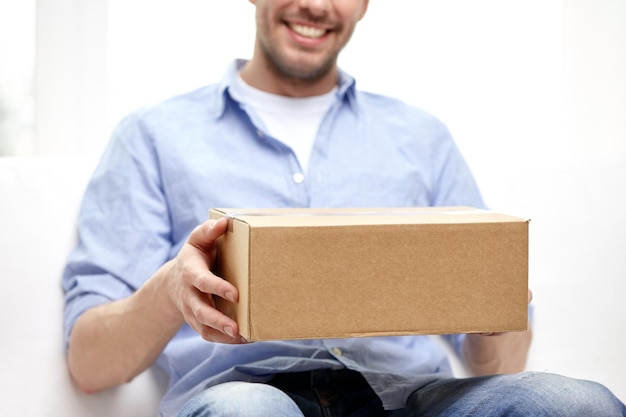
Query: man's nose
[{"x": 316, "y": 7}]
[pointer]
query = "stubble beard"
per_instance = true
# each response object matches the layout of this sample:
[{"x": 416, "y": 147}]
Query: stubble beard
[{"x": 304, "y": 72}]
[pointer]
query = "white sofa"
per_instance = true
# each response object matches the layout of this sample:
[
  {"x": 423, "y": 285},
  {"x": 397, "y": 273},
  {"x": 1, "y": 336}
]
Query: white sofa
[{"x": 40, "y": 199}]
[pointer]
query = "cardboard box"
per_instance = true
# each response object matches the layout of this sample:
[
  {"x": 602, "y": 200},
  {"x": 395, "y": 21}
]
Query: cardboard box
[{"x": 329, "y": 273}]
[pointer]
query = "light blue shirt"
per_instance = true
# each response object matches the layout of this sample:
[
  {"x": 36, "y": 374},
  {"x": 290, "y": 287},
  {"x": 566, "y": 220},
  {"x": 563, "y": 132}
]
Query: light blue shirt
[{"x": 167, "y": 165}]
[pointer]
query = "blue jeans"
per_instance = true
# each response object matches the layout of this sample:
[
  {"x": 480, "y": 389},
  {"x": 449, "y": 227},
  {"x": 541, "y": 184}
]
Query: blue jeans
[{"x": 328, "y": 393}]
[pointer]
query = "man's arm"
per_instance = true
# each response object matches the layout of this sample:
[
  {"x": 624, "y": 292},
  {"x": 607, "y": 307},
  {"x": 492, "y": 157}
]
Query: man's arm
[
  {"x": 505, "y": 353},
  {"x": 114, "y": 342}
]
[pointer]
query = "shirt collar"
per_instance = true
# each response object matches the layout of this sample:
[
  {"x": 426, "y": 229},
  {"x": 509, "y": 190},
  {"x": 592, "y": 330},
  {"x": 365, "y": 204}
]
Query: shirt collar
[{"x": 346, "y": 89}]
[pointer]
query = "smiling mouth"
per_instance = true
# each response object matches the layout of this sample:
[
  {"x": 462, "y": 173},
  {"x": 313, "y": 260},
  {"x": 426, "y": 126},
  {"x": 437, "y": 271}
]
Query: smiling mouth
[{"x": 307, "y": 31}]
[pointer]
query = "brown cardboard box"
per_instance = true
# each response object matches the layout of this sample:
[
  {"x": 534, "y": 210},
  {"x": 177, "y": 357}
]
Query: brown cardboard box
[{"x": 327, "y": 273}]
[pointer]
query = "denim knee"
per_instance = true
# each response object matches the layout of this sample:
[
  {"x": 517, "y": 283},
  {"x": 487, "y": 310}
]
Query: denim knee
[
  {"x": 536, "y": 394},
  {"x": 241, "y": 399},
  {"x": 558, "y": 395}
]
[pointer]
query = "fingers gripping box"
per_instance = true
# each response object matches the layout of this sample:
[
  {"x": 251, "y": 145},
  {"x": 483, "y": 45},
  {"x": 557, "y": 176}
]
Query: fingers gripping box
[{"x": 328, "y": 273}]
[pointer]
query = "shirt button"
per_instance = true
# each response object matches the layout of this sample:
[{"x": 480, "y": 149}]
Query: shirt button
[
  {"x": 298, "y": 178},
  {"x": 337, "y": 351},
  {"x": 259, "y": 133}
]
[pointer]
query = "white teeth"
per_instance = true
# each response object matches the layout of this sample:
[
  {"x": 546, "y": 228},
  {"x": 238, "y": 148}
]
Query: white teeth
[{"x": 307, "y": 31}]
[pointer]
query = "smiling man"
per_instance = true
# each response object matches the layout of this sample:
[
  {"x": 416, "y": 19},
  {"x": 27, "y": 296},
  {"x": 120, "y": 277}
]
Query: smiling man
[{"x": 287, "y": 128}]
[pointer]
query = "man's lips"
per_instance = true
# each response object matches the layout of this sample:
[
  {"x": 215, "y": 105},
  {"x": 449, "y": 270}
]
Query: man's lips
[{"x": 307, "y": 31}]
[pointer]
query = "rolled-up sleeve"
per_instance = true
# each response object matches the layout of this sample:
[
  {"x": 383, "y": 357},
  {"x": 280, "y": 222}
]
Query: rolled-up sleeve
[{"x": 123, "y": 227}]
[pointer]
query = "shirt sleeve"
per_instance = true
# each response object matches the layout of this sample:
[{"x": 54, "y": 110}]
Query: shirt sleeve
[
  {"x": 123, "y": 226},
  {"x": 454, "y": 183}
]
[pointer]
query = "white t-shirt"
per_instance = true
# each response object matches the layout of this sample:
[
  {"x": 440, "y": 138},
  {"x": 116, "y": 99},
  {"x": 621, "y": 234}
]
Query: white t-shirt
[{"x": 292, "y": 120}]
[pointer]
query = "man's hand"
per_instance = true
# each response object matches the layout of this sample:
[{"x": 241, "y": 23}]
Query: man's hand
[{"x": 192, "y": 285}]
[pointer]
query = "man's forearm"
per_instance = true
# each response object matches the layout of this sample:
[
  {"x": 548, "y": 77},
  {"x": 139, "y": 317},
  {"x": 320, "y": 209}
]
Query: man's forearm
[
  {"x": 112, "y": 343},
  {"x": 501, "y": 354}
]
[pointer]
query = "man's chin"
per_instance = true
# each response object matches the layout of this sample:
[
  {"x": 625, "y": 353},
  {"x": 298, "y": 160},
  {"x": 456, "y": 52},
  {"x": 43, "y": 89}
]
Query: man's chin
[
  {"x": 309, "y": 72},
  {"x": 298, "y": 65}
]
